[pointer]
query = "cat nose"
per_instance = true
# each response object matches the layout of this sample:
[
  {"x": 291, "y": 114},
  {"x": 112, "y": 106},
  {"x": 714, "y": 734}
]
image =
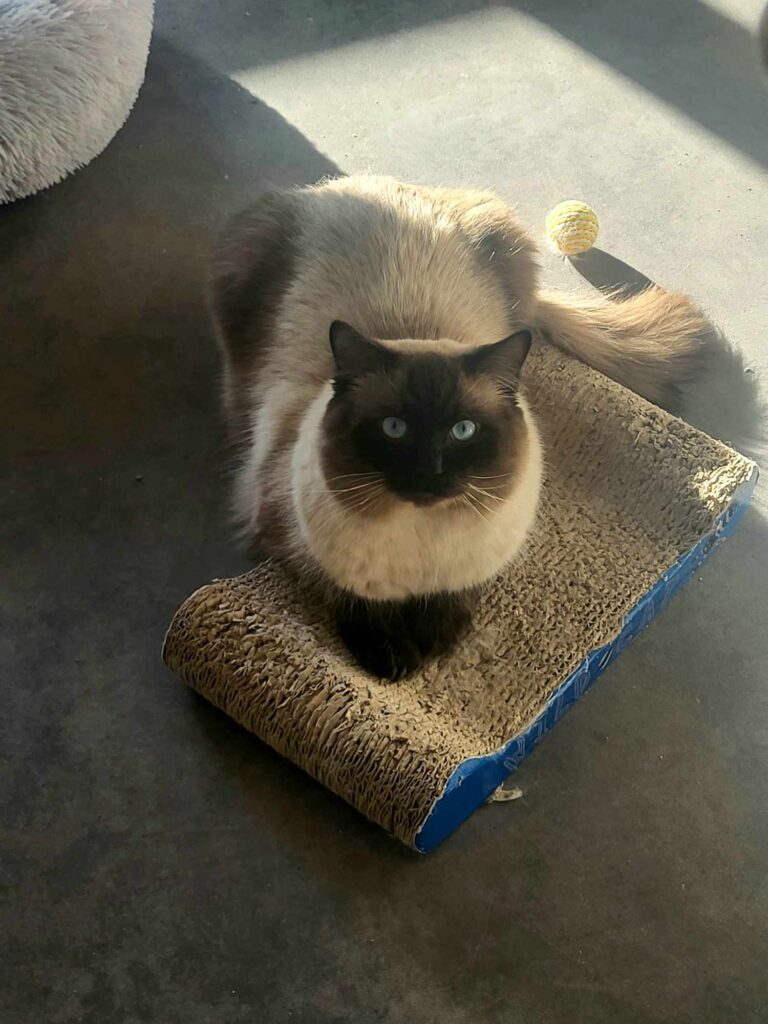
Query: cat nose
[{"x": 437, "y": 463}]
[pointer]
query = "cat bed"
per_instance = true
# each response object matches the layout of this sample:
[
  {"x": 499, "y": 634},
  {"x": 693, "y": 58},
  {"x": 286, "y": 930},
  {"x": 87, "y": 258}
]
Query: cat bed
[
  {"x": 70, "y": 71},
  {"x": 634, "y": 500}
]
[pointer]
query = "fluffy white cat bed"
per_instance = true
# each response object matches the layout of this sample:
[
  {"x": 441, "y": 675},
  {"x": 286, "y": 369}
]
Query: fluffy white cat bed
[{"x": 70, "y": 71}]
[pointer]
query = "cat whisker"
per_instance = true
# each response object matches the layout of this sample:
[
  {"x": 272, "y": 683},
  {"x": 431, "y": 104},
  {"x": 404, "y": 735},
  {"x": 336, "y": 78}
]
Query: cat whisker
[
  {"x": 350, "y": 490},
  {"x": 477, "y": 502},
  {"x": 331, "y": 519},
  {"x": 347, "y": 476},
  {"x": 370, "y": 492},
  {"x": 374, "y": 504},
  {"x": 487, "y": 494},
  {"x": 368, "y": 508},
  {"x": 468, "y": 503},
  {"x": 327, "y": 515},
  {"x": 375, "y": 479},
  {"x": 363, "y": 501}
]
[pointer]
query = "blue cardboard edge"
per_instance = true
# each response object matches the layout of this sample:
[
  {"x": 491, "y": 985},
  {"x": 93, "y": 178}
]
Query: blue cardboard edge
[{"x": 473, "y": 781}]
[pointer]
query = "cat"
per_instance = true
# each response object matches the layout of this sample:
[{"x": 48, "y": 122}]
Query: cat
[{"x": 373, "y": 335}]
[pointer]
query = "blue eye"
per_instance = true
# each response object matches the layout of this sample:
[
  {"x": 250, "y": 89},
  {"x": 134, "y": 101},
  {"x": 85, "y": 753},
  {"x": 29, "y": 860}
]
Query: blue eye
[
  {"x": 394, "y": 427},
  {"x": 463, "y": 430}
]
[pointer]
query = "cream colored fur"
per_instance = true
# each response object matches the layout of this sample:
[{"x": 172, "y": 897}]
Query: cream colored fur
[
  {"x": 279, "y": 401},
  {"x": 650, "y": 342},
  {"x": 397, "y": 261}
]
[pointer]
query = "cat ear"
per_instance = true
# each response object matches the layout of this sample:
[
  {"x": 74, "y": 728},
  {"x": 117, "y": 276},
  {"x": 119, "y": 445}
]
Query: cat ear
[
  {"x": 503, "y": 360},
  {"x": 354, "y": 354}
]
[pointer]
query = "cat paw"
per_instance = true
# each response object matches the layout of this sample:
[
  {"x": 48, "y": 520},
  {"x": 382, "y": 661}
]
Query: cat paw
[
  {"x": 393, "y": 640},
  {"x": 386, "y": 654},
  {"x": 436, "y": 625}
]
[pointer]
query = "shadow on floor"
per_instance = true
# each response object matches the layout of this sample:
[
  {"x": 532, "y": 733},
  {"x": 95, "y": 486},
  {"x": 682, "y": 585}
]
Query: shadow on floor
[
  {"x": 244, "y": 34},
  {"x": 113, "y": 506},
  {"x": 686, "y": 53},
  {"x": 109, "y": 351}
]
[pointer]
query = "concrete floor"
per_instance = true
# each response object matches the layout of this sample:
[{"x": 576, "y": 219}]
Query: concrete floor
[{"x": 158, "y": 864}]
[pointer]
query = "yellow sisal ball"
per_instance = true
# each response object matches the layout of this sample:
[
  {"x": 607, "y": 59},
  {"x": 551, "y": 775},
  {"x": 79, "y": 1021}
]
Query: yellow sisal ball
[{"x": 571, "y": 227}]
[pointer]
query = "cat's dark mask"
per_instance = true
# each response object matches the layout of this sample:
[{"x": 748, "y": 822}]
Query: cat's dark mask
[{"x": 428, "y": 425}]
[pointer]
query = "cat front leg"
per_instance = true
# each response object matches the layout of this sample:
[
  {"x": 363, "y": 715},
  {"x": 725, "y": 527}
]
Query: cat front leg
[
  {"x": 438, "y": 621},
  {"x": 376, "y": 633},
  {"x": 393, "y": 639}
]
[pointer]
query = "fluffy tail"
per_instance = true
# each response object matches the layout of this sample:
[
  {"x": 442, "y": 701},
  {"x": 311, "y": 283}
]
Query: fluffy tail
[{"x": 652, "y": 342}]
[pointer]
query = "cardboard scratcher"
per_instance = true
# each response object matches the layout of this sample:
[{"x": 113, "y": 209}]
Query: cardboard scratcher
[{"x": 634, "y": 501}]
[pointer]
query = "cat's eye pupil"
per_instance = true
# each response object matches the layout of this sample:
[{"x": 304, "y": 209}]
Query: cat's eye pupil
[
  {"x": 463, "y": 430},
  {"x": 394, "y": 427}
]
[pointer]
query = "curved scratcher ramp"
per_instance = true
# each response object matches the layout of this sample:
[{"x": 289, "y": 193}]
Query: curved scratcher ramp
[{"x": 635, "y": 499}]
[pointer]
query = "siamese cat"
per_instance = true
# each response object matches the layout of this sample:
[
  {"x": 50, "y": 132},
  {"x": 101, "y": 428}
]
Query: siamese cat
[{"x": 373, "y": 335}]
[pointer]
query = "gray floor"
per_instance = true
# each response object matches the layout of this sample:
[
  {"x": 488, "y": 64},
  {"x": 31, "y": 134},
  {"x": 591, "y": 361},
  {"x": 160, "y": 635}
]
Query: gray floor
[{"x": 160, "y": 865}]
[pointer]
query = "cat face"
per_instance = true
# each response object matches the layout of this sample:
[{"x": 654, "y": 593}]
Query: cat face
[{"x": 423, "y": 426}]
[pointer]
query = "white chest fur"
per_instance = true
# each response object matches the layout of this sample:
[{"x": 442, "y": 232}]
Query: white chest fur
[{"x": 408, "y": 551}]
